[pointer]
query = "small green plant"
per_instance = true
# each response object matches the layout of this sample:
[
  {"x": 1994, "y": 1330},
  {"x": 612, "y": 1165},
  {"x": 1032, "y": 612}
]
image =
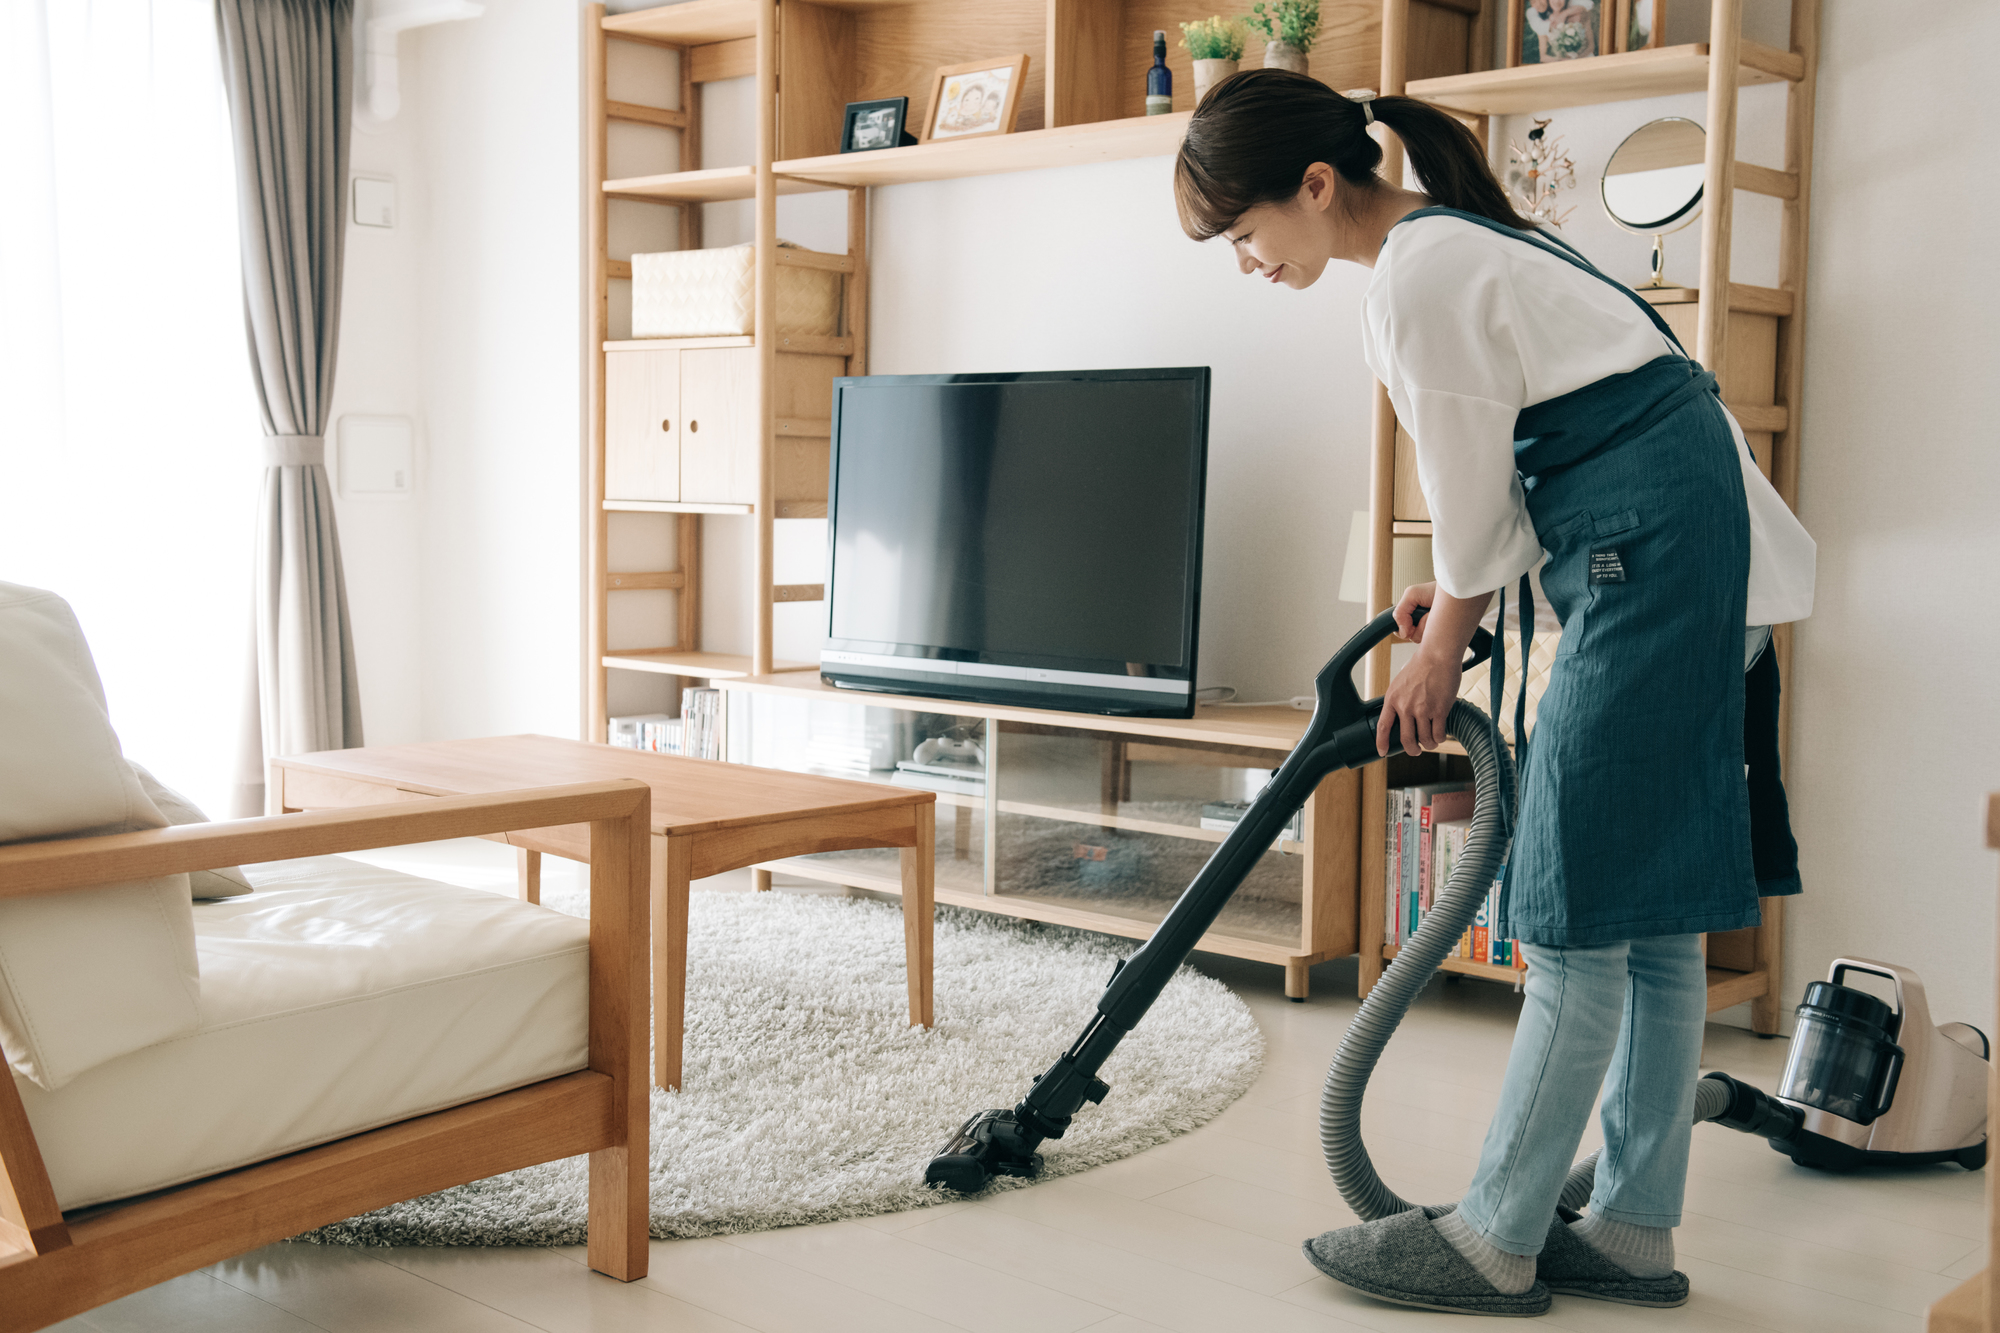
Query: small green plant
[
  {"x": 1214, "y": 38},
  {"x": 1293, "y": 22}
]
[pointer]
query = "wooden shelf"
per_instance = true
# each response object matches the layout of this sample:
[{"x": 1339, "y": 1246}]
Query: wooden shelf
[
  {"x": 701, "y": 22},
  {"x": 713, "y": 185},
  {"x": 1275, "y": 728},
  {"x": 679, "y": 344},
  {"x": 1726, "y": 987},
  {"x": 1513, "y": 976},
  {"x": 1031, "y": 150},
  {"x": 674, "y": 507},
  {"x": 690, "y": 23},
  {"x": 1030, "y": 909},
  {"x": 667, "y": 661},
  {"x": 1615, "y": 78},
  {"x": 1071, "y": 815}
]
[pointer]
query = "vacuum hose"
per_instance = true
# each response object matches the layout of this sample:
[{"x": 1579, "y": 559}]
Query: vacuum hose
[
  {"x": 1717, "y": 1097},
  {"x": 1471, "y": 879}
]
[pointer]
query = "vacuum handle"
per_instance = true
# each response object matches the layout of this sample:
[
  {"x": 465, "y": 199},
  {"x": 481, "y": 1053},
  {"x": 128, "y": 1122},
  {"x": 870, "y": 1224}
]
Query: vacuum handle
[
  {"x": 1890, "y": 1077},
  {"x": 1384, "y": 626}
]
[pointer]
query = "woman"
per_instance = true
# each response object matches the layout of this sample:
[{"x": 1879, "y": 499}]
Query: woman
[{"x": 1557, "y": 424}]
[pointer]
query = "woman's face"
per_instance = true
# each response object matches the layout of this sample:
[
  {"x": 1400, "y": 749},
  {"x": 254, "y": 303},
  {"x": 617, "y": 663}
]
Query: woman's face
[{"x": 1288, "y": 243}]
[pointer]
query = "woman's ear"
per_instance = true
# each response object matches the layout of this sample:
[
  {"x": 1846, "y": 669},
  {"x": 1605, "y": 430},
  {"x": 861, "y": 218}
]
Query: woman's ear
[{"x": 1316, "y": 190}]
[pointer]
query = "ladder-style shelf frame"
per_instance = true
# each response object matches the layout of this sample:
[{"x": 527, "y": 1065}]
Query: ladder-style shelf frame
[
  {"x": 1744, "y": 965},
  {"x": 715, "y": 39}
]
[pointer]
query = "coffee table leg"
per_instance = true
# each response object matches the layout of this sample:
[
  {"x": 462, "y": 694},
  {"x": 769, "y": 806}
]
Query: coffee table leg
[
  {"x": 919, "y": 911},
  {"x": 672, "y": 859},
  {"x": 529, "y": 867}
]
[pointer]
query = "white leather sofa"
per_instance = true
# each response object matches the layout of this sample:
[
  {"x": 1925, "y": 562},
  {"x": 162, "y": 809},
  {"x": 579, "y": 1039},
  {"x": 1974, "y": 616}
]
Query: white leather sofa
[{"x": 312, "y": 1009}]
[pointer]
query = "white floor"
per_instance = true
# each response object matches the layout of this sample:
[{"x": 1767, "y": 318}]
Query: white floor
[{"x": 1199, "y": 1234}]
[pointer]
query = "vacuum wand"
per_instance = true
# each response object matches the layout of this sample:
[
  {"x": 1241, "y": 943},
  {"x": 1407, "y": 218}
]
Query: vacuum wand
[{"x": 1341, "y": 734}]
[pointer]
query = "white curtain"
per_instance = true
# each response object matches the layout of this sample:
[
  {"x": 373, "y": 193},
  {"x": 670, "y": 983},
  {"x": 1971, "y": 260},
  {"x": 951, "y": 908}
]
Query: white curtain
[{"x": 128, "y": 420}]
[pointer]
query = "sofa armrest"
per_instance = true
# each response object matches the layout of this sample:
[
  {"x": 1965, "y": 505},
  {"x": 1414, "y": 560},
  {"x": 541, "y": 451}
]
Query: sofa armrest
[{"x": 82, "y": 863}]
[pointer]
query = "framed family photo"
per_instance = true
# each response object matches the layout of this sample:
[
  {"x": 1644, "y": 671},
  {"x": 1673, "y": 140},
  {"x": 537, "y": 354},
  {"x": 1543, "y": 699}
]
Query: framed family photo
[
  {"x": 975, "y": 99},
  {"x": 877, "y": 124},
  {"x": 1545, "y": 31},
  {"x": 1642, "y": 22}
]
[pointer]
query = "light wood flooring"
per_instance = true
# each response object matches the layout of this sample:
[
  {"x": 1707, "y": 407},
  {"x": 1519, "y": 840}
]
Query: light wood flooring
[{"x": 1199, "y": 1234}]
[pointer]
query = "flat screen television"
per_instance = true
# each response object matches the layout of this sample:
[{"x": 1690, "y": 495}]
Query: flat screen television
[{"x": 1028, "y": 539}]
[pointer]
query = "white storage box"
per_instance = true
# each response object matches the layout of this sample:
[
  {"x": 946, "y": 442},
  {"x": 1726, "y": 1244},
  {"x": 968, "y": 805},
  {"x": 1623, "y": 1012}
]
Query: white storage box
[{"x": 713, "y": 294}]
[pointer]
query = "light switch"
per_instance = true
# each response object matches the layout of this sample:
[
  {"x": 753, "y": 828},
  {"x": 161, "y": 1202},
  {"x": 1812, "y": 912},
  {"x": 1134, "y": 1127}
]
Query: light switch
[
  {"x": 376, "y": 457},
  {"x": 374, "y": 202}
]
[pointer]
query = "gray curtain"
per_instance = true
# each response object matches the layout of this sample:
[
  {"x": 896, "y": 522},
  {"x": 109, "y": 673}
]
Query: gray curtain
[{"x": 289, "y": 68}]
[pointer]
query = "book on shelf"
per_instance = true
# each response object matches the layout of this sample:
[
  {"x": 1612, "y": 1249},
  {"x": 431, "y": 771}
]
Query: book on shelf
[
  {"x": 659, "y": 733},
  {"x": 701, "y": 723},
  {"x": 1424, "y": 838},
  {"x": 967, "y": 781},
  {"x": 1222, "y": 816}
]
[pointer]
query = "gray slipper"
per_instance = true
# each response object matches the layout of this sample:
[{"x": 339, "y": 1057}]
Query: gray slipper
[
  {"x": 1569, "y": 1264},
  {"x": 1403, "y": 1259}
]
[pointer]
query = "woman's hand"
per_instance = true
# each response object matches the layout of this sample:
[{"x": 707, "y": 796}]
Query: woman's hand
[
  {"x": 1421, "y": 695},
  {"x": 1415, "y": 596},
  {"x": 1420, "y": 699}
]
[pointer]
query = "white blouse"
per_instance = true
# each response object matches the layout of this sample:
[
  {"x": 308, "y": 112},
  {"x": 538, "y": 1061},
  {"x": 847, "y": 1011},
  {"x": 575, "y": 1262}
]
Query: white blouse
[{"x": 1466, "y": 327}]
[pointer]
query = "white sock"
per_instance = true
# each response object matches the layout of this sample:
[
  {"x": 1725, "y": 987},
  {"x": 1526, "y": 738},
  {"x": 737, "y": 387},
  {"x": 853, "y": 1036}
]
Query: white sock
[
  {"x": 1510, "y": 1274},
  {"x": 1640, "y": 1251}
]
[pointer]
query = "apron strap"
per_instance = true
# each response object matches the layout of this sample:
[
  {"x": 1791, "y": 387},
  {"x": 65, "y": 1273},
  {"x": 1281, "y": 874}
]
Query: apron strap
[
  {"x": 1562, "y": 250},
  {"x": 1496, "y": 690}
]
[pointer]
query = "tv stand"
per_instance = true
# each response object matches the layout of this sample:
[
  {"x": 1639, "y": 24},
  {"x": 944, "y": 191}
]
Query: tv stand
[{"x": 1081, "y": 819}]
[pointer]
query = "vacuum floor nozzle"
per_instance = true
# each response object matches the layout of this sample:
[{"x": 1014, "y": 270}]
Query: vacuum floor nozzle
[{"x": 992, "y": 1143}]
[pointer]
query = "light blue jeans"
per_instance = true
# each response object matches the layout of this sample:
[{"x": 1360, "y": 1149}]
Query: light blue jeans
[{"x": 1624, "y": 1016}]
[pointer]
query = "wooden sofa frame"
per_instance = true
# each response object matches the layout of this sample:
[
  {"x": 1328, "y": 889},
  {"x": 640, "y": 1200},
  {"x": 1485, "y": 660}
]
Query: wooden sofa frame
[{"x": 52, "y": 1268}]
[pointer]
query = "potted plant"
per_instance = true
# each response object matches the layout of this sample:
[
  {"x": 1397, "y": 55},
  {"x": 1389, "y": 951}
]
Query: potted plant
[
  {"x": 1215, "y": 44},
  {"x": 1289, "y": 27}
]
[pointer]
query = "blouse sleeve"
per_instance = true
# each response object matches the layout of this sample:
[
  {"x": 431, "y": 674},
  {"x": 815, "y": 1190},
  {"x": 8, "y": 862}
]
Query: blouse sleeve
[{"x": 1447, "y": 335}]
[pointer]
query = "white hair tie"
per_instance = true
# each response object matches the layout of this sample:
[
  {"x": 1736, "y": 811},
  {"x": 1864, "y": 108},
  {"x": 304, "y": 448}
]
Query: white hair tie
[{"x": 1364, "y": 96}]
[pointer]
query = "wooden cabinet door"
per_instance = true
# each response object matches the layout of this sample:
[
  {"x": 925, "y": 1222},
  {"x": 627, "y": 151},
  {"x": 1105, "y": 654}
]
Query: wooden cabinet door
[
  {"x": 642, "y": 425},
  {"x": 719, "y": 441}
]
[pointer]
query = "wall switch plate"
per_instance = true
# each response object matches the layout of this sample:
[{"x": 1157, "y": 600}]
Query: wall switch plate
[
  {"x": 374, "y": 202},
  {"x": 376, "y": 456}
]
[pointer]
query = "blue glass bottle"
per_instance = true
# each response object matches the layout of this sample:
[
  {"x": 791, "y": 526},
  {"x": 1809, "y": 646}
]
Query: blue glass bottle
[{"x": 1159, "y": 80}]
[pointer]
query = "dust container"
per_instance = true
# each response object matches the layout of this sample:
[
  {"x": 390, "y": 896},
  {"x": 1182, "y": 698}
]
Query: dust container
[{"x": 1844, "y": 1055}]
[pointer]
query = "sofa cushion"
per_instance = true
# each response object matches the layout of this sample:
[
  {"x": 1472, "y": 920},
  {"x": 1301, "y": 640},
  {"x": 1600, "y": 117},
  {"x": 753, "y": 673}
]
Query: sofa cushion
[
  {"x": 223, "y": 882},
  {"x": 89, "y": 975},
  {"x": 336, "y": 998}
]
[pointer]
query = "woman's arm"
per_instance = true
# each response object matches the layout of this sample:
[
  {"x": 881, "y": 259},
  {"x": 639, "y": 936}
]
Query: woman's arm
[{"x": 1421, "y": 695}]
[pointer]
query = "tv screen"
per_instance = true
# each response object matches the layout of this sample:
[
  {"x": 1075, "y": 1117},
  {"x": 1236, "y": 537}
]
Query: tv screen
[{"x": 1026, "y": 539}]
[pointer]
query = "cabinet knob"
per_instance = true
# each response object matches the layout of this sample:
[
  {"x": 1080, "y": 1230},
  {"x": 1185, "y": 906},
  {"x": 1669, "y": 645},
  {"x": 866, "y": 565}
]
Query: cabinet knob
[
  {"x": 694, "y": 425},
  {"x": 667, "y": 424}
]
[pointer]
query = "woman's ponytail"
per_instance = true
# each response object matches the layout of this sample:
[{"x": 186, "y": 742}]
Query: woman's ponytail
[
  {"x": 1256, "y": 132},
  {"x": 1446, "y": 159}
]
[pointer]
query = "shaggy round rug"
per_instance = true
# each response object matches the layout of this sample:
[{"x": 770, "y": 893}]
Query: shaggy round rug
[{"x": 808, "y": 1097}]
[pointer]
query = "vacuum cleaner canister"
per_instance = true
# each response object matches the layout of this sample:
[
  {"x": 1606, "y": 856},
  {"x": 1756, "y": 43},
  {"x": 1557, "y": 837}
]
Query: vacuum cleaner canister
[{"x": 1879, "y": 1085}]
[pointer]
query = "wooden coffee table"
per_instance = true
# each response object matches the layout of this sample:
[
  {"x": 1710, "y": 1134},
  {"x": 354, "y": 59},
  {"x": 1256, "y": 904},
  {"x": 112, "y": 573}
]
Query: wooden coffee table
[{"x": 708, "y": 817}]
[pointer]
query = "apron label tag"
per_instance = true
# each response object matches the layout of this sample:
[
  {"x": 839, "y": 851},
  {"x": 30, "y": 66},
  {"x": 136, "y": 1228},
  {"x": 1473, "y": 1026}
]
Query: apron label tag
[{"x": 1607, "y": 566}]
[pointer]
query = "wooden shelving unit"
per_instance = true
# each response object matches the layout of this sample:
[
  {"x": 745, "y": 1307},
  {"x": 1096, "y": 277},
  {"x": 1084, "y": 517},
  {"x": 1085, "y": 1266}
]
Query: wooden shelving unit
[
  {"x": 1753, "y": 339},
  {"x": 1082, "y": 104}
]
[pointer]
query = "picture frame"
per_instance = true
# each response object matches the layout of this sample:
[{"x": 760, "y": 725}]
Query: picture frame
[
  {"x": 1641, "y": 24},
  {"x": 974, "y": 100},
  {"x": 1542, "y": 31},
  {"x": 868, "y": 126}
]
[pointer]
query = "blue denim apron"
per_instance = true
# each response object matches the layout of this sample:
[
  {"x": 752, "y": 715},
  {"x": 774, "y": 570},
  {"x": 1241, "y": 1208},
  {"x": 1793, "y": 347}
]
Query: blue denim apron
[{"x": 1633, "y": 817}]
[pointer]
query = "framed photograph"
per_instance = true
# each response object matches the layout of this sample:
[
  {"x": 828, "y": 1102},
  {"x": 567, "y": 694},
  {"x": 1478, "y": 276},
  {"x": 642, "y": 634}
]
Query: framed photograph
[
  {"x": 1550, "y": 30},
  {"x": 971, "y": 100},
  {"x": 1643, "y": 24},
  {"x": 877, "y": 124}
]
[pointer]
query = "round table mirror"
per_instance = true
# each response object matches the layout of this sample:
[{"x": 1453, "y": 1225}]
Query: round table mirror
[{"x": 1652, "y": 185}]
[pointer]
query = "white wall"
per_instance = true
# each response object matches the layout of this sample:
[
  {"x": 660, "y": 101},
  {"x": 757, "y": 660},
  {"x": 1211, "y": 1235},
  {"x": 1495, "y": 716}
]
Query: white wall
[
  {"x": 1895, "y": 712},
  {"x": 467, "y": 318}
]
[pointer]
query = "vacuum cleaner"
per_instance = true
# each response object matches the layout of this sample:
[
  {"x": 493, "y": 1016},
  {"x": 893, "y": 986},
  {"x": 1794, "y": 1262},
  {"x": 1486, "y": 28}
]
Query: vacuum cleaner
[{"x": 1866, "y": 1083}]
